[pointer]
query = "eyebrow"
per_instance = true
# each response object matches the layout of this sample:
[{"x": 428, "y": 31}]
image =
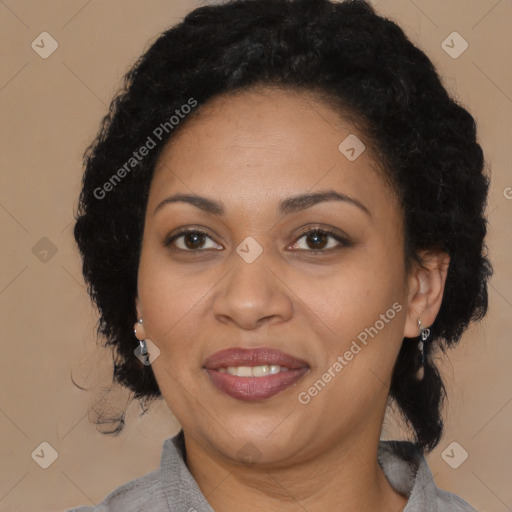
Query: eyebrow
[{"x": 288, "y": 206}]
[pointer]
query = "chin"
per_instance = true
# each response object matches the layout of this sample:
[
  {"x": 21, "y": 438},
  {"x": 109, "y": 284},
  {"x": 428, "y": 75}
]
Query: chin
[{"x": 263, "y": 442}]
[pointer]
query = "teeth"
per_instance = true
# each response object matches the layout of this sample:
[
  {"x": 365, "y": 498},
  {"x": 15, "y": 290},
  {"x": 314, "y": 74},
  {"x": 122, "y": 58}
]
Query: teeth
[
  {"x": 254, "y": 371},
  {"x": 259, "y": 371},
  {"x": 274, "y": 369},
  {"x": 244, "y": 371}
]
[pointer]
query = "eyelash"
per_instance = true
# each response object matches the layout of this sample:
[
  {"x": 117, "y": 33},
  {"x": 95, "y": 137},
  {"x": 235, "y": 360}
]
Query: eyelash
[{"x": 323, "y": 231}]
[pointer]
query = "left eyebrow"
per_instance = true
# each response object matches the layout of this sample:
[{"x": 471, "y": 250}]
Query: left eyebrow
[
  {"x": 288, "y": 206},
  {"x": 301, "y": 202}
]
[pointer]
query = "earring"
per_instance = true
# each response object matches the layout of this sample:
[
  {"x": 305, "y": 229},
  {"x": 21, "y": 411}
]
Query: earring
[
  {"x": 424, "y": 334},
  {"x": 143, "y": 347}
]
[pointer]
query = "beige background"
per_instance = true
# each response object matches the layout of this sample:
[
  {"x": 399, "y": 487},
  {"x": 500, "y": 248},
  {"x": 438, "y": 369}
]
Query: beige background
[{"x": 51, "y": 109}]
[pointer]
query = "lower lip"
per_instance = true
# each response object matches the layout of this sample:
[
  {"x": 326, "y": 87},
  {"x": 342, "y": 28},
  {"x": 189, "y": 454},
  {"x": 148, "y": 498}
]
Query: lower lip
[{"x": 255, "y": 388}]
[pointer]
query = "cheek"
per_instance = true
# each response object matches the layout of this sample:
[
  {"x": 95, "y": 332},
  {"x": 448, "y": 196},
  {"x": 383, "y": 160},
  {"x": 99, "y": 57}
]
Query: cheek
[
  {"x": 353, "y": 296},
  {"x": 363, "y": 306},
  {"x": 171, "y": 302}
]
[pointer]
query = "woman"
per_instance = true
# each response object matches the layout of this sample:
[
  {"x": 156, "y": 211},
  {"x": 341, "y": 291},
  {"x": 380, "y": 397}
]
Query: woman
[{"x": 281, "y": 221}]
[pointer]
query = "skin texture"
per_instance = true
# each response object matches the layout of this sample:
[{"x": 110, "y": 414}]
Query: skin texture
[{"x": 250, "y": 151}]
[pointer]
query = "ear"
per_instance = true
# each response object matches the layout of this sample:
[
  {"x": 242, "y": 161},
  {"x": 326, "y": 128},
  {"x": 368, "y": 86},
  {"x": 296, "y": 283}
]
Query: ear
[
  {"x": 137, "y": 307},
  {"x": 426, "y": 289},
  {"x": 140, "y": 332}
]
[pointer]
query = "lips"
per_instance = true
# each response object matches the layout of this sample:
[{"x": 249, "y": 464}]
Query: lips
[
  {"x": 252, "y": 357},
  {"x": 252, "y": 388}
]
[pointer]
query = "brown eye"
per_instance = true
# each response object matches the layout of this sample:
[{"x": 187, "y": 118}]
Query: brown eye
[
  {"x": 317, "y": 240},
  {"x": 193, "y": 240}
]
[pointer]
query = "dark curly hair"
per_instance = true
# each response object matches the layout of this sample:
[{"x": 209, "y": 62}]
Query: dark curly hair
[{"x": 362, "y": 62}]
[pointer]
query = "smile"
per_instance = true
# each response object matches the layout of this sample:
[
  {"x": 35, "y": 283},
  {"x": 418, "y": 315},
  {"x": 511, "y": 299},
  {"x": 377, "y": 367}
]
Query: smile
[
  {"x": 254, "y": 374},
  {"x": 254, "y": 371}
]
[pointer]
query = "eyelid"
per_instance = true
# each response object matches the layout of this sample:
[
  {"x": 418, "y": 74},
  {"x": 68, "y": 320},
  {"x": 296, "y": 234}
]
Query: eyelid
[
  {"x": 184, "y": 231},
  {"x": 342, "y": 239}
]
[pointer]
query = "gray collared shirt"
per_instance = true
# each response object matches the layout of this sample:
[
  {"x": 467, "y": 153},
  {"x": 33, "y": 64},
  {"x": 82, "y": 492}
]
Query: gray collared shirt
[{"x": 172, "y": 488}]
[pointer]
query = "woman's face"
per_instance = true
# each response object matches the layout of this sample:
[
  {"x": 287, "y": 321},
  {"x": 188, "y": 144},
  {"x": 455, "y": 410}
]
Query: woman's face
[{"x": 257, "y": 280}]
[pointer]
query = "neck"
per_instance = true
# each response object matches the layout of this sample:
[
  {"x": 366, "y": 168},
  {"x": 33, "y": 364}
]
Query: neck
[{"x": 345, "y": 477}]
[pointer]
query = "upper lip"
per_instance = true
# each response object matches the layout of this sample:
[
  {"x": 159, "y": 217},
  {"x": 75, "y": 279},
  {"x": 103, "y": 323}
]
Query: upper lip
[{"x": 259, "y": 356}]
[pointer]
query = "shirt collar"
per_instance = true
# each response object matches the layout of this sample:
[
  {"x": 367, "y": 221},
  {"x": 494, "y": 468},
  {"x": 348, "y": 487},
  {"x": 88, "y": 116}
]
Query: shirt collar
[{"x": 408, "y": 473}]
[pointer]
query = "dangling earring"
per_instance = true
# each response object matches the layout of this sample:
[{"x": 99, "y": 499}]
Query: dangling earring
[
  {"x": 424, "y": 334},
  {"x": 143, "y": 347}
]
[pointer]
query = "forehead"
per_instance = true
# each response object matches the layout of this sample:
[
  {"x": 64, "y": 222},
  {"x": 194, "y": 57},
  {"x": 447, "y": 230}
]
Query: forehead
[{"x": 268, "y": 143}]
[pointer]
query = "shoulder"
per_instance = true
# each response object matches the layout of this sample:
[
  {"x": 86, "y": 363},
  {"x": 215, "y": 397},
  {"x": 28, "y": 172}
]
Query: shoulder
[
  {"x": 170, "y": 487},
  {"x": 143, "y": 493},
  {"x": 449, "y": 502},
  {"x": 408, "y": 473}
]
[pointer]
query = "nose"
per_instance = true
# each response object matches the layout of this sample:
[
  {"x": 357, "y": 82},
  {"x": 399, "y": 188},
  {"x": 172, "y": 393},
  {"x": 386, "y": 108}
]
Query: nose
[{"x": 252, "y": 294}]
